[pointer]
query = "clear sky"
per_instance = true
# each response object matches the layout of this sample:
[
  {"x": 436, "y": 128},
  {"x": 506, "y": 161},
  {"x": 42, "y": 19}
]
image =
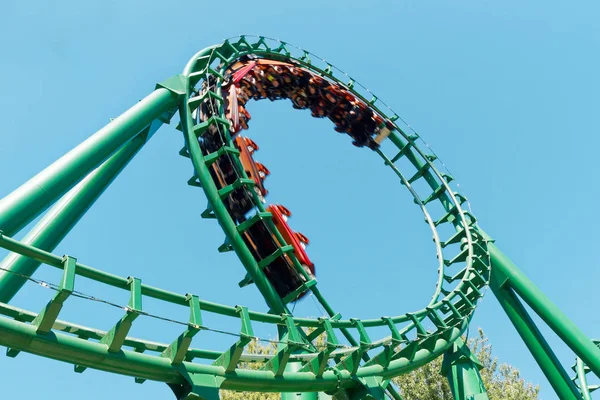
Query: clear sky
[{"x": 507, "y": 93}]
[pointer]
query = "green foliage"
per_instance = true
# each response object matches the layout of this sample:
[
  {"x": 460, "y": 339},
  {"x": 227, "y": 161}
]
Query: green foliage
[
  {"x": 229, "y": 395},
  {"x": 253, "y": 347},
  {"x": 502, "y": 381}
]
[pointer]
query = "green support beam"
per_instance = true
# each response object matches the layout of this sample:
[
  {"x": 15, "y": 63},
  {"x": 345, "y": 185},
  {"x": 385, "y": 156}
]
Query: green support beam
[
  {"x": 46, "y": 318},
  {"x": 115, "y": 338},
  {"x": 536, "y": 343},
  {"x": 197, "y": 386},
  {"x": 461, "y": 367},
  {"x": 295, "y": 367},
  {"x": 581, "y": 375},
  {"x": 230, "y": 358},
  {"x": 64, "y": 215},
  {"x": 370, "y": 388},
  {"x": 178, "y": 349},
  {"x": 29, "y": 200},
  {"x": 291, "y": 341},
  {"x": 507, "y": 273}
]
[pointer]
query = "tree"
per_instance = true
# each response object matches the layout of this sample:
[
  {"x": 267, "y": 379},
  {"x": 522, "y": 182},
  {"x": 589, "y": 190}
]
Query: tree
[
  {"x": 253, "y": 347},
  {"x": 502, "y": 381}
]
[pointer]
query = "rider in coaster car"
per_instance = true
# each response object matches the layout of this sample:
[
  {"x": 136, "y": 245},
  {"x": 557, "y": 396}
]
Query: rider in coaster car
[
  {"x": 263, "y": 171},
  {"x": 247, "y": 89},
  {"x": 248, "y": 57},
  {"x": 289, "y": 77},
  {"x": 316, "y": 95},
  {"x": 324, "y": 105},
  {"x": 285, "y": 92},
  {"x": 259, "y": 92},
  {"x": 242, "y": 95},
  {"x": 369, "y": 123},
  {"x": 378, "y": 120},
  {"x": 381, "y": 127},
  {"x": 273, "y": 75},
  {"x": 208, "y": 106},
  {"x": 381, "y": 124},
  {"x": 301, "y": 76},
  {"x": 275, "y": 93},
  {"x": 299, "y": 99},
  {"x": 274, "y": 83},
  {"x": 339, "y": 115},
  {"x": 261, "y": 85},
  {"x": 317, "y": 108},
  {"x": 244, "y": 117},
  {"x": 314, "y": 87},
  {"x": 209, "y": 84},
  {"x": 299, "y": 94},
  {"x": 332, "y": 93},
  {"x": 204, "y": 111},
  {"x": 357, "y": 132},
  {"x": 362, "y": 124},
  {"x": 341, "y": 125},
  {"x": 361, "y": 140},
  {"x": 207, "y": 109}
]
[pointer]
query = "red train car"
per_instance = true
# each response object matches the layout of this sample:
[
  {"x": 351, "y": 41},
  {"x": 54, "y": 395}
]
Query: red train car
[
  {"x": 296, "y": 239},
  {"x": 255, "y": 171}
]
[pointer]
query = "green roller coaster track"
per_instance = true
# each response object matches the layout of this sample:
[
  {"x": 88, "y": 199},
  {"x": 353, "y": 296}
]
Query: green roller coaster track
[{"x": 355, "y": 367}]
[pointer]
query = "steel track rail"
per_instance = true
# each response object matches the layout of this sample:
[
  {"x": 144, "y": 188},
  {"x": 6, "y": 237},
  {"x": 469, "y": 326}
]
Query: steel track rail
[{"x": 415, "y": 337}]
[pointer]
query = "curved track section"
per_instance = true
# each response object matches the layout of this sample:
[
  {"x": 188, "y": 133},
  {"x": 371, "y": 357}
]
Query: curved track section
[
  {"x": 414, "y": 339},
  {"x": 581, "y": 377}
]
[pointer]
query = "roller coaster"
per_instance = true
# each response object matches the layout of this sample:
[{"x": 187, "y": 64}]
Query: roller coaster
[{"x": 326, "y": 357}]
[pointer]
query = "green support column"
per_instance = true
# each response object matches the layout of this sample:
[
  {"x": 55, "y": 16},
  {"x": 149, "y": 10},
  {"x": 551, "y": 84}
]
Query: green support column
[
  {"x": 369, "y": 388},
  {"x": 28, "y": 201},
  {"x": 461, "y": 367},
  {"x": 295, "y": 367},
  {"x": 63, "y": 216},
  {"x": 197, "y": 386},
  {"x": 583, "y": 385},
  {"x": 507, "y": 273},
  {"x": 537, "y": 345}
]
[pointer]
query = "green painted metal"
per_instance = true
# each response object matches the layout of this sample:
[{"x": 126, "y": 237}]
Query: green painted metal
[
  {"x": 581, "y": 379},
  {"x": 455, "y": 308},
  {"x": 509, "y": 274},
  {"x": 536, "y": 344},
  {"x": 295, "y": 367},
  {"x": 216, "y": 204},
  {"x": 198, "y": 386},
  {"x": 63, "y": 216},
  {"x": 47, "y": 317},
  {"x": 461, "y": 367},
  {"x": 36, "y": 195},
  {"x": 115, "y": 338},
  {"x": 371, "y": 388},
  {"x": 178, "y": 349},
  {"x": 288, "y": 336},
  {"x": 581, "y": 376},
  {"x": 359, "y": 370},
  {"x": 224, "y": 54}
]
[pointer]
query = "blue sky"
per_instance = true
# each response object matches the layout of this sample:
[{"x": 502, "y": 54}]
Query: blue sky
[{"x": 506, "y": 93}]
